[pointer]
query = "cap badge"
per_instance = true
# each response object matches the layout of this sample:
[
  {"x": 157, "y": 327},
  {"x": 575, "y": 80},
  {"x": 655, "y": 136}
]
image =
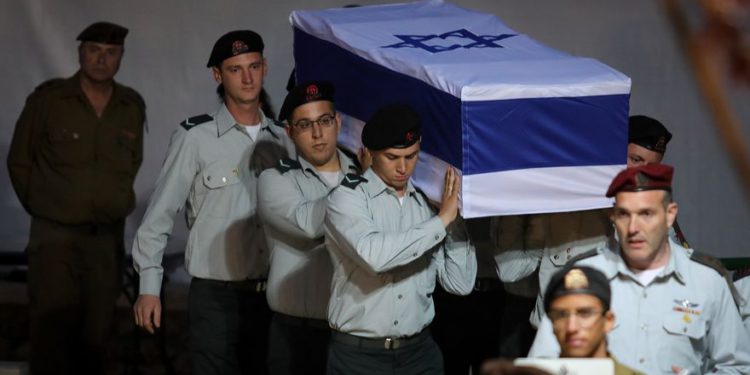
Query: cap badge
[
  {"x": 409, "y": 136},
  {"x": 239, "y": 47},
  {"x": 661, "y": 144},
  {"x": 576, "y": 279},
  {"x": 641, "y": 180},
  {"x": 312, "y": 92}
]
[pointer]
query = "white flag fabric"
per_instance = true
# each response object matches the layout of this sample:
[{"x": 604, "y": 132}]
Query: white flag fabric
[{"x": 530, "y": 129}]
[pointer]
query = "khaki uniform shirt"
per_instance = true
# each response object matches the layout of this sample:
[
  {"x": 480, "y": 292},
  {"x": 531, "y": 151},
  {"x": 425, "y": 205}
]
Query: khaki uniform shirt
[
  {"x": 70, "y": 166},
  {"x": 292, "y": 200},
  {"x": 387, "y": 257},
  {"x": 210, "y": 175}
]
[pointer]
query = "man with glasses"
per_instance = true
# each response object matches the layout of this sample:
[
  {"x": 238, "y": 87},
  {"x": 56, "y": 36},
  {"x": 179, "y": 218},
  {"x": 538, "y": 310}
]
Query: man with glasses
[
  {"x": 210, "y": 173},
  {"x": 577, "y": 303},
  {"x": 675, "y": 314},
  {"x": 292, "y": 205},
  {"x": 388, "y": 249}
]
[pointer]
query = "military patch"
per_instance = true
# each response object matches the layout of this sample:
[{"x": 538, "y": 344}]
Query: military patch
[
  {"x": 584, "y": 255},
  {"x": 351, "y": 180},
  {"x": 195, "y": 120},
  {"x": 286, "y": 165}
]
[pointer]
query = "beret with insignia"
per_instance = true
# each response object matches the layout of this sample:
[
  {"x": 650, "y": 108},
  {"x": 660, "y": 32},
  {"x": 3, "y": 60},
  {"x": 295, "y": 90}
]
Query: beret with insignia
[
  {"x": 103, "y": 32},
  {"x": 649, "y": 133},
  {"x": 306, "y": 93},
  {"x": 392, "y": 126},
  {"x": 578, "y": 280},
  {"x": 235, "y": 43},
  {"x": 644, "y": 177}
]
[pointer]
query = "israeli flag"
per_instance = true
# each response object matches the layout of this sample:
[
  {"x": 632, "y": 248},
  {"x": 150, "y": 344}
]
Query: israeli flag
[{"x": 529, "y": 128}]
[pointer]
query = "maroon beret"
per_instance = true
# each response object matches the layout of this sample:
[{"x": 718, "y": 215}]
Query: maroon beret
[{"x": 644, "y": 177}]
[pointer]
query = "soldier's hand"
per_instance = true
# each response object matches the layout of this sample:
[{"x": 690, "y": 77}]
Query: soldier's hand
[
  {"x": 449, "y": 204},
  {"x": 147, "y": 310},
  {"x": 365, "y": 158}
]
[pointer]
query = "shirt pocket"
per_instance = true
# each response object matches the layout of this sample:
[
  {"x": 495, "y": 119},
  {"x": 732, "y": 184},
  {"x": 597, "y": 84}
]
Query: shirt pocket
[
  {"x": 684, "y": 341},
  {"x": 225, "y": 194}
]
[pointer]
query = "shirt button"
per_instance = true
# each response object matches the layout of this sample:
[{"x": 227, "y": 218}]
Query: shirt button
[
  {"x": 437, "y": 237},
  {"x": 415, "y": 254},
  {"x": 641, "y": 360},
  {"x": 223, "y": 179},
  {"x": 395, "y": 323},
  {"x": 645, "y": 295},
  {"x": 643, "y": 327},
  {"x": 400, "y": 296}
]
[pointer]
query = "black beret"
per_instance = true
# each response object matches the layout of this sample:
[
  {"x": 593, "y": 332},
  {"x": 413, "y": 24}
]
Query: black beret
[
  {"x": 643, "y": 177},
  {"x": 103, "y": 32},
  {"x": 578, "y": 280},
  {"x": 395, "y": 125},
  {"x": 235, "y": 43},
  {"x": 649, "y": 133},
  {"x": 305, "y": 93}
]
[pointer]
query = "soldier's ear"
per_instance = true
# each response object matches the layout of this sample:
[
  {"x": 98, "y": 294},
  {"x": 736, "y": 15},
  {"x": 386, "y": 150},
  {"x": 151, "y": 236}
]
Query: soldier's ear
[
  {"x": 671, "y": 213},
  {"x": 216, "y": 72},
  {"x": 609, "y": 321}
]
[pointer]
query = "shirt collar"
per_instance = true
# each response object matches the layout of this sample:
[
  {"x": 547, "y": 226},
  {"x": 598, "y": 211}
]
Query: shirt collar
[
  {"x": 675, "y": 265},
  {"x": 72, "y": 88},
  {"x": 225, "y": 121},
  {"x": 347, "y": 165},
  {"x": 376, "y": 186}
]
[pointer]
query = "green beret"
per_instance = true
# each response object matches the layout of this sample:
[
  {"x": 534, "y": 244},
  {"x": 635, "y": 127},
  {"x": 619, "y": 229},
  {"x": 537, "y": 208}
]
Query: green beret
[{"x": 103, "y": 32}]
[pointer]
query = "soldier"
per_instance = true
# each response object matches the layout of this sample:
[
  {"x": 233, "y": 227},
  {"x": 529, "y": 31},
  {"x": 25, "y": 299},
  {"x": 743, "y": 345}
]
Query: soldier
[
  {"x": 74, "y": 156},
  {"x": 388, "y": 248},
  {"x": 676, "y": 314},
  {"x": 292, "y": 205},
  {"x": 544, "y": 243},
  {"x": 211, "y": 172},
  {"x": 577, "y": 303}
]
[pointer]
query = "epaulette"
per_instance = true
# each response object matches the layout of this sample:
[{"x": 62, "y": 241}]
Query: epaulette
[
  {"x": 286, "y": 165},
  {"x": 741, "y": 273},
  {"x": 716, "y": 265},
  {"x": 582, "y": 256},
  {"x": 351, "y": 180},
  {"x": 48, "y": 83},
  {"x": 196, "y": 120},
  {"x": 278, "y": 123}
]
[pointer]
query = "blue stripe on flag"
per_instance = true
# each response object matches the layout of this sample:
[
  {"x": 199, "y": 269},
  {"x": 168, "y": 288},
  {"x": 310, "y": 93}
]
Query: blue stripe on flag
[{"x": 489, "y": 136}]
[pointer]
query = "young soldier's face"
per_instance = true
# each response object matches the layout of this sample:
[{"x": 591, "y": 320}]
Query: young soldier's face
[
  {"x": 581, "y": 324},
  {"x": 242, "y": 77},
  {"x": 99, "y": 61},
  {"x": 395, "y": 165},
  {"x": 314, "y": 127},
  {"x": 639, "y": 155},
  {"x": 642, "y": 220}
]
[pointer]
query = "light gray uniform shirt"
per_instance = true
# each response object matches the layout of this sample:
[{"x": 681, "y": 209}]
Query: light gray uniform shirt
[
  {"x": 547, "y": 242},
  {"x": 292, "y": 201},
  {"x": 685, "y": 317},
  {"x": 210, "y": 173},
  {"x": 387, "y": 257},
  {"x": 743, "y": 287}
]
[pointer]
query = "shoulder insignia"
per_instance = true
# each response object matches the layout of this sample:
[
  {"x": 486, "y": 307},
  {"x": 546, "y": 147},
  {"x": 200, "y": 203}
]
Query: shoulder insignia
[
  {"x": 48, "y": 83},
  {"x": 742, "y": 273},
  {"x": 195, "y": 120},
  {"x": 286, "y": 165},
  {"x": 278, "y": 123},
  {"x": 715, "y": 264},
  {"x": 582, "y": 256},
  {"x": 351, "y": 180}
]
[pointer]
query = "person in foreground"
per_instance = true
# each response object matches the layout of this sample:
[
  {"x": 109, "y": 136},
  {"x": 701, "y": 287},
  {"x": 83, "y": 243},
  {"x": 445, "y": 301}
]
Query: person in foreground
[
  {"x": 388, "y": 248},
  {"x": 675, "y": 314}
]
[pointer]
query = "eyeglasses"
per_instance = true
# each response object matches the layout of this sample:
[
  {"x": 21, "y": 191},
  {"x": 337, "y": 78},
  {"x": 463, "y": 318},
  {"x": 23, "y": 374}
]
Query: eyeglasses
[
  {"x": 584, "y": 317},
  {"x": 325, "y": 121}
]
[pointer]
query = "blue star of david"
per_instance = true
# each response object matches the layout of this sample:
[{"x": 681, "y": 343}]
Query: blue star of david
[{"x": 477, "y": 41}]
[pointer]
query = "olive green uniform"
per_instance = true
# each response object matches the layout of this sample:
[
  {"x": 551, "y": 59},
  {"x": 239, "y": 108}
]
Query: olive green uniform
[{"x": 73, "y": 173}]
